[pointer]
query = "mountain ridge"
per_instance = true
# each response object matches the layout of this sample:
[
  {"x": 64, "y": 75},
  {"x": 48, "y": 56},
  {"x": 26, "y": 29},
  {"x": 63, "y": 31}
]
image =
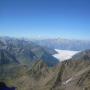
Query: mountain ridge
[
  {"x": 64, "y": 44},
  {"x": 71, "y": 74}
]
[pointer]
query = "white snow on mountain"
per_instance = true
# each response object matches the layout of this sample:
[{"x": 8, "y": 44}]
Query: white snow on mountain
[{"x": 64, "y": 54}]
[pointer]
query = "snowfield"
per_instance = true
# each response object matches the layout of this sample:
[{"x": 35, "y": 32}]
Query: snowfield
[{"x": 64, "y": 54}]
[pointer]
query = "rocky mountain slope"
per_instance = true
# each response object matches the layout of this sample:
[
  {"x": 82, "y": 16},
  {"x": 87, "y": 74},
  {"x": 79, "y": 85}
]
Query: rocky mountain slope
[
  {"x": 26, "y": 52},
  {"x": 72, "y": 74}
]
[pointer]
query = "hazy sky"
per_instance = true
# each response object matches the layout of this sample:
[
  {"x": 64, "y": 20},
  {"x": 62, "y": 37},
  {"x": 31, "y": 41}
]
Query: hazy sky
[{"x": 45, "y": 18}]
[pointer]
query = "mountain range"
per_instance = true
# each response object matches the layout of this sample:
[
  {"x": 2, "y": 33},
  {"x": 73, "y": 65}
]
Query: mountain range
[
  {"x": 25, "y": 65},
  {"x": 64, "y": 44},
  {"x": 25, "y": 52},
  {"x": 72, "y": 74}
]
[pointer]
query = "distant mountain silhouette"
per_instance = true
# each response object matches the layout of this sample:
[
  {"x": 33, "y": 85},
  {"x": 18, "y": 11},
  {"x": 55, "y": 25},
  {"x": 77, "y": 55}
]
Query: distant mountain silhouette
[{"x": 64, "y": 44}]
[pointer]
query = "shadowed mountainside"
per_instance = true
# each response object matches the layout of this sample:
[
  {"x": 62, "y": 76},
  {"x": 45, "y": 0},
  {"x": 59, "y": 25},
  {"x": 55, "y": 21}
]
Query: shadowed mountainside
[{"x": 26, "y": 52}]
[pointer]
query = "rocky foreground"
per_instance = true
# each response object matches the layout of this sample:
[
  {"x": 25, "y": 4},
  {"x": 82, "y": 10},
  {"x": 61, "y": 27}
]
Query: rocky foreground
[{"x": 72, "y": 74}]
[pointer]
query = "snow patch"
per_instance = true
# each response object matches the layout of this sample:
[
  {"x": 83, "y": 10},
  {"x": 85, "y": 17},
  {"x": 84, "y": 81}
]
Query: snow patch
[
  {"x": 67, "y": 81},
  {"x": 64, "y": 54}
]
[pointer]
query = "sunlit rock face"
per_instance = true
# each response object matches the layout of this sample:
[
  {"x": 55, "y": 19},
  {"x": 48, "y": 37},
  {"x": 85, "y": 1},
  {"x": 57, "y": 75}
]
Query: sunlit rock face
[{"x": 4, "y": 87}]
